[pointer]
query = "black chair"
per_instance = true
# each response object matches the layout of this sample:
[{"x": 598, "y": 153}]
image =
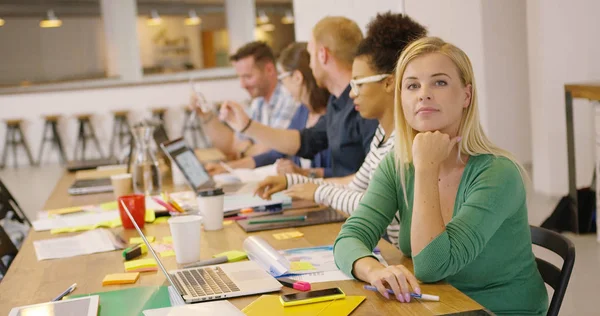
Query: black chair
[
  {"x": 8, "y": 203},
  {"x": 8, "y": 251},
  {"x": 557, "y": 278}
]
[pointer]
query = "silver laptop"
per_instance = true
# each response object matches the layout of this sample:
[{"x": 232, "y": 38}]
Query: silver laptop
[
  {"x": 193, "y": 170},
  {"x": 217, "y": 281}
]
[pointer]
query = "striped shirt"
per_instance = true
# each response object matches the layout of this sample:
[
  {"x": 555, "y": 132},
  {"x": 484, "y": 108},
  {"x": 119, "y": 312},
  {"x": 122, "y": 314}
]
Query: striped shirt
[{"x": 347, "y": 197}]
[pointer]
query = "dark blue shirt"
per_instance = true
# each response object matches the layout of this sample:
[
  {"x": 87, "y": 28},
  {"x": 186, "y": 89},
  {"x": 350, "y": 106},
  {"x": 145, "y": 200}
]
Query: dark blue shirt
[
  {"x": 320, "y": 160},
  {"x": 343, "y": 131}
]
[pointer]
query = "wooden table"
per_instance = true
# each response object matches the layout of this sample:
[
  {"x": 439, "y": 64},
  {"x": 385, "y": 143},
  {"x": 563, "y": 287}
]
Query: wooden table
[
  {"x": 30, "y": 281},
  {"x": 590, "y": 91}
]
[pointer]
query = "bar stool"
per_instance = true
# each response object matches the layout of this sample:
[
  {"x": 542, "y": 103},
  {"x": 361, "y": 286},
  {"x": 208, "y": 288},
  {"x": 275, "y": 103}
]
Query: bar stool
[
  {"x": 121, "y": 131},
  {"x": 12, "y": 128},
  {"x": 159, "y": 113},
  {"x": 191, "y": 125},
  {"x": 51, "y": 126},
  {"x": 82, "y": 137}
]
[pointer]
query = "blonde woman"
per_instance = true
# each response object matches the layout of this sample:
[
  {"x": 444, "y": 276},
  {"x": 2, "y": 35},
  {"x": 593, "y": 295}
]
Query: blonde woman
[{"x": 461, "y": 200}]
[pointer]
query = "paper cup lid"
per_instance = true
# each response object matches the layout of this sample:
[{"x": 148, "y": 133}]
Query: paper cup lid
[
  {"x": 184, "y": 219},
  {"x": 211, "y": 192}
]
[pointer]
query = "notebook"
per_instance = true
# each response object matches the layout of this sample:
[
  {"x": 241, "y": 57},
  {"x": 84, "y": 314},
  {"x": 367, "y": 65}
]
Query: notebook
[
  {"x": 85, "y": 306},
  {"x": 132, "y": 301},
  {"x": 269, "y": 305},
  {"x": 221, "y": 308},
  {"x": 325, "y": 216}
]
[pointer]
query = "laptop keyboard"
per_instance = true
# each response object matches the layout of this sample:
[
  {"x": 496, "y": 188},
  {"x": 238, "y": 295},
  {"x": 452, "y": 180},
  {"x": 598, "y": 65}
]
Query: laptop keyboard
[{"x": 207, "y": 281}]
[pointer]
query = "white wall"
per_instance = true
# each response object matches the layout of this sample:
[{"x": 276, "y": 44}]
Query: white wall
[
  {"x": 308, "y": 12},
  {"x": 101, "y": 102},
  {"x": 562, "y": 49},
  {"x": 29, "y": 52}
]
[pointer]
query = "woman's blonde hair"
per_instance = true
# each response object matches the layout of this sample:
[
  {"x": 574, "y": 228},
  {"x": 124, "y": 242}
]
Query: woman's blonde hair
[{"x": 474, "y": 141}]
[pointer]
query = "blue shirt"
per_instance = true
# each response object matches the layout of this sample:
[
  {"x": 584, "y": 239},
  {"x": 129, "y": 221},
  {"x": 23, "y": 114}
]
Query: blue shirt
[
  {"x": 343, "y": 131},
  {"x": 320, "y": 160}
]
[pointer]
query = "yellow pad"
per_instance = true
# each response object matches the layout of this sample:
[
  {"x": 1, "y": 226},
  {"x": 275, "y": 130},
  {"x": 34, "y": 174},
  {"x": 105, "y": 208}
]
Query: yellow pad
[
  {"x": 269, "y": 305},
  {"x": 139, "y": 240},
  {"x": 161, "y": 220},
  {"x": 233, "y": 255},
  {"x": 150, "y": 216},
  {"x": 67, "y": 210},
  {"x": 227, "y": 223},
  {"x": 301, "y": 266},
  {"x": 288, "y": 235},
  {"x": 168, "y": 253},
  {"x": 168, "y": 239},
  {"x": 120, "y": 278},
  {"x": 139, "y": 264},
  {"x": 109, "y": 206}
]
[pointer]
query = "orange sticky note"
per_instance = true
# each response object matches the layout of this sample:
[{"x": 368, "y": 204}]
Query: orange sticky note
[{"x": 120, "y": 278}]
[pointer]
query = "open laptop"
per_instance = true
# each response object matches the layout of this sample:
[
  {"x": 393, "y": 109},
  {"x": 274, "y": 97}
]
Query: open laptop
[
  {"x": 102, "y": 185},
  {"x": 214, "y": 282},
  {"x": 193, "y": 170}
]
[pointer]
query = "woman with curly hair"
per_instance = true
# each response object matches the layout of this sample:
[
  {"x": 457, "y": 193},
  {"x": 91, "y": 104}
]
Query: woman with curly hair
[{"x": 372, "y": 87}]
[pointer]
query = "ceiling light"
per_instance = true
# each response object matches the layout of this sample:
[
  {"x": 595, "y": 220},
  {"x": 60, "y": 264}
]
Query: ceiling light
[
  {"x": 267, "y": 27},
  {"x": 154, "y": 19},
  {"x": 193, "y": 18},
  {"x": 262, "y": 18},
  {"x": 288, "y": 18},
  {"x": 51, "y": 21}
]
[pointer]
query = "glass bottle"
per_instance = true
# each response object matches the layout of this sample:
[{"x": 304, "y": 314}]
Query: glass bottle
[{"x": 146, "y": 174}]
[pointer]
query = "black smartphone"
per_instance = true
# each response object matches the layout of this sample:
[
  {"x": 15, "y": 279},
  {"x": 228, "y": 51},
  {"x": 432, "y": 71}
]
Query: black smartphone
[{"x": 311, "y": 297}]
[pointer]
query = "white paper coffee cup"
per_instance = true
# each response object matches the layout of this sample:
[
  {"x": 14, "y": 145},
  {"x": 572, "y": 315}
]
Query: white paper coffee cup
[
  {"x": 186, "y": 237},
  {"x": 210, "y": 205}
]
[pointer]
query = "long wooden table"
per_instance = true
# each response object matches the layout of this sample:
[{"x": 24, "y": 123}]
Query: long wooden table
[{"x": 30, "y": 281}]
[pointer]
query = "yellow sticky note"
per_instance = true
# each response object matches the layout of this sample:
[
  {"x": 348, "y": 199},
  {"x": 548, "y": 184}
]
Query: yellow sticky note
[
  {"x": 161, "y": 220},
  {"x": 139, "y": 240},
  {"x": 228, "y": 222},
  {"x": 301, "y": 266},
  {"x": 109, "y": 206},
  {"x": 140, "y": 265},
  {"x": 150, "y": 216},
  {"x": 66, "y": 210},
  {"x": 233, "y": 255},
  {"x": 168, "y": 253},
  {"x": 168, "y": 239},
  {"x": 288, "y": 235},
  {"x": 120, "y": 278}
]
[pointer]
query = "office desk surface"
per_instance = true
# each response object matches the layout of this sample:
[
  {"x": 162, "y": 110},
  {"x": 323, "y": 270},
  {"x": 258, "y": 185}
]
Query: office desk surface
[{"x": 31, "y": 281}]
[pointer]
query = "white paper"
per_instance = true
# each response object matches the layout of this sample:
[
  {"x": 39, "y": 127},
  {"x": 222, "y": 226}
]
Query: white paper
[
  {"x": 221, "y": 308},
  {"x": 74, "y": 220},
  {"x": 246, "y": 175},
  {"x": 326, "y": 276},
  {"x": 248, "y": 200},
  {"x": 93, "y": 241}
]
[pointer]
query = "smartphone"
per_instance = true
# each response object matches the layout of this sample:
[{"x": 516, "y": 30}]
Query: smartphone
[{"x": 311, "y": 297}]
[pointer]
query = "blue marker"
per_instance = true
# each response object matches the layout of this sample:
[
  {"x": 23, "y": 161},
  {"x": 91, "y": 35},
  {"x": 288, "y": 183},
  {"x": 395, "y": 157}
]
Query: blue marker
[{"x": 425, "y": 297}]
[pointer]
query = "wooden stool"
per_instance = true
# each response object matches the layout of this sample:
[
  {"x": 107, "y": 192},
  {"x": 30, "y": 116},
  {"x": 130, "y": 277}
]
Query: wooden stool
[
  {"x": 121, "y": 131},
  {"x": 12, "y": 128},
  {"x": 82, "y": 137},
  {"x": 159, "y": 113},
  {"x": 51, "y": 126},
  {"x": 191, "y": 125}
]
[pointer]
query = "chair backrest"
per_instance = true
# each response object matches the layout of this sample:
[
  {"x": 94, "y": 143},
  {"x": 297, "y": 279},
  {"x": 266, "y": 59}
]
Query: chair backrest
[
  {"x": 7, "y": 248},
  {"x": 557, "y": 278},
  {"x": 8, "y": 203}
]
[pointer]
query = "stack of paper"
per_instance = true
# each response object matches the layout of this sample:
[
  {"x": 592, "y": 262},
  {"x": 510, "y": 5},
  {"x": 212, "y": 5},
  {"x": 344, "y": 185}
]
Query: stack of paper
[{"x": 98, "y": 240}]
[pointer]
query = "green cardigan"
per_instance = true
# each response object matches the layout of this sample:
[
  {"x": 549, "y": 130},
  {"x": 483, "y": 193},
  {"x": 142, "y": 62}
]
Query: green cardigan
[{"x": 485, "y": 251}]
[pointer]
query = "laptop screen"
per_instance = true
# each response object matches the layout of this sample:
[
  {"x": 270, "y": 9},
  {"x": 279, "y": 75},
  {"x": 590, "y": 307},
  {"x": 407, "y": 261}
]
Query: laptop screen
[{"x": 188, "y": 163}]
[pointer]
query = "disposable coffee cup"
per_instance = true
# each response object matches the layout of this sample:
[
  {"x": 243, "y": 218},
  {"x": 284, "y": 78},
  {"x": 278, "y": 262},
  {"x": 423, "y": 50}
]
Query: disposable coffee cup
[
  {"x": 122, "y": 184},
  {"x": 186, "y": 237},
  {"x": 210, "y": 205}
]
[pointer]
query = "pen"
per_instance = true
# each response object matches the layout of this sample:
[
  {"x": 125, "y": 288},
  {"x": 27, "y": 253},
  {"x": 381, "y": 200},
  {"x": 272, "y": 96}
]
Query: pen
[
  {"x": 208, "y": 262},
  {"x": 227, "y": 167},
  {"x": 425, "y": 297},
  {"x": 66, "y": 292},
  {"x": 278, "y": 220}
]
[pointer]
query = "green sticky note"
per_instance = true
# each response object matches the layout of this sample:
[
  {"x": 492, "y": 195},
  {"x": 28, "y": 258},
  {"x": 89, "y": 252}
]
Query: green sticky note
[
  {"x": 233, "y": 255},
  {"x": 301, "y": 266},
  {"x": 109, "y": 206},
  {"x": 150, "y": 216}
]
